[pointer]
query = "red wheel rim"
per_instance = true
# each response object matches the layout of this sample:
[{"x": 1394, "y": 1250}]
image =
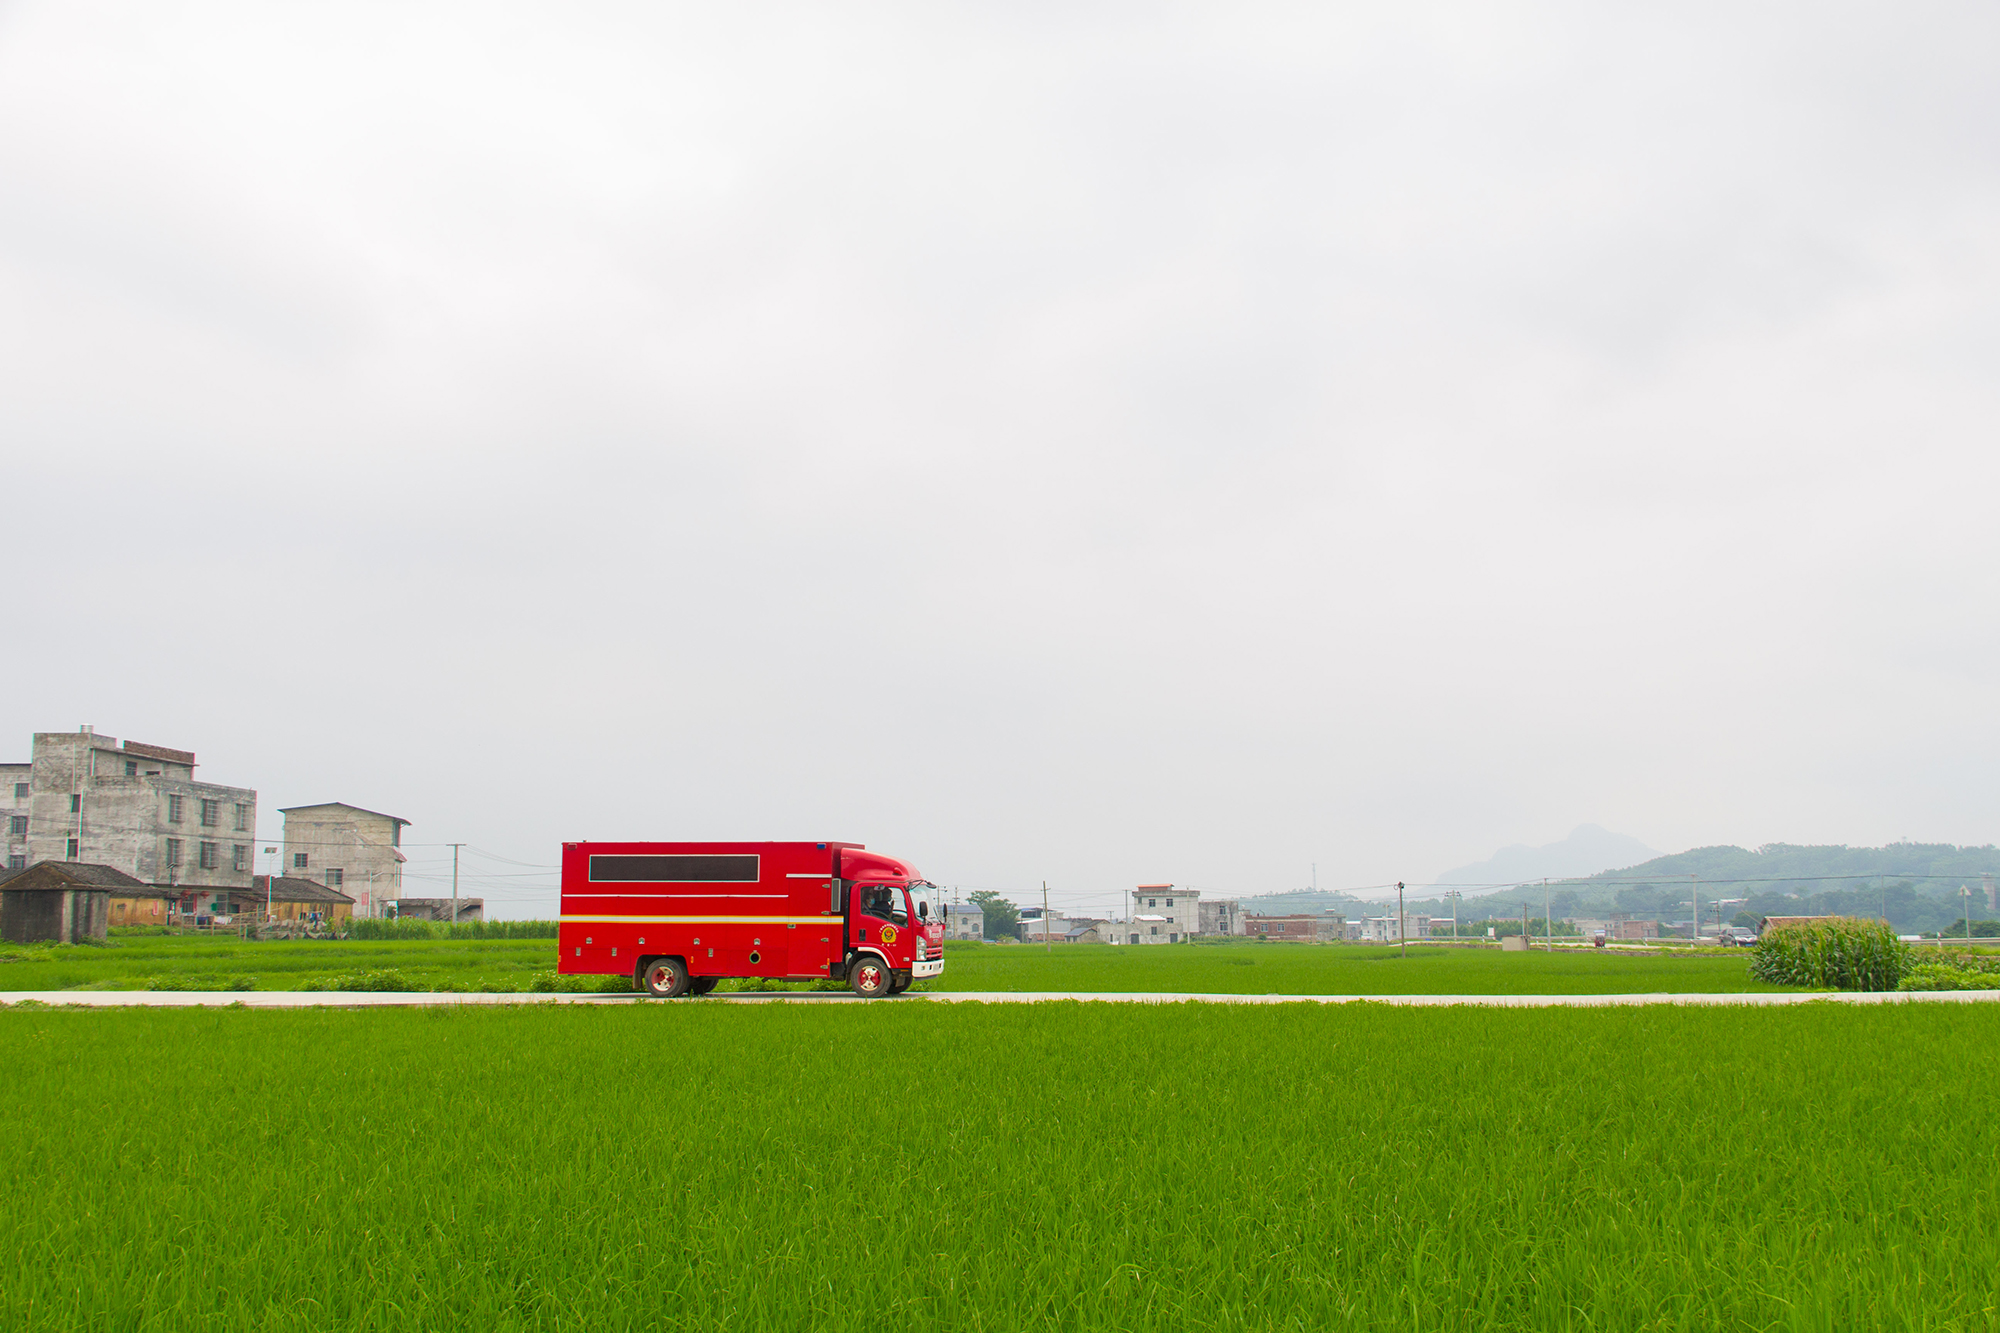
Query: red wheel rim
[{"x": 871, "y": 976}]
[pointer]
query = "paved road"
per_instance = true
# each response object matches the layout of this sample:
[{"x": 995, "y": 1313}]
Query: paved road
[{"x": 372, "y": 999}]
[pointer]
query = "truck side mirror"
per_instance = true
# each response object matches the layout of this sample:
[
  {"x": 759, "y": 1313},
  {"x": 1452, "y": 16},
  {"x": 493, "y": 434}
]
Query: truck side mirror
[{"x": 923, "y": 911}]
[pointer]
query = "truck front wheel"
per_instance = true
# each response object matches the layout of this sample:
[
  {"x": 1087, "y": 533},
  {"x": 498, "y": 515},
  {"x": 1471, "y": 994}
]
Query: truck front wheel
[
  {"x": 870, "y": 978},
  {"x": 664, "y": 978}
]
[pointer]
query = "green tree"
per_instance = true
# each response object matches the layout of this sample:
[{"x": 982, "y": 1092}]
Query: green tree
[{"x": 1001, "y": 916}]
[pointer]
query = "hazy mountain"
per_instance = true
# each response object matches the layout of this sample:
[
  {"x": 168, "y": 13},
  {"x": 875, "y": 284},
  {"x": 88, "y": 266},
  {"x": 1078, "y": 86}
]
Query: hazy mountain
[{"x": 1586, "y": 851}]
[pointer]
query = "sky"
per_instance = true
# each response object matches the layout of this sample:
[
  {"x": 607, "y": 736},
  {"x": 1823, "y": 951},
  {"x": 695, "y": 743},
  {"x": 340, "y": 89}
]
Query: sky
[{"x": 1105, "y": 444}]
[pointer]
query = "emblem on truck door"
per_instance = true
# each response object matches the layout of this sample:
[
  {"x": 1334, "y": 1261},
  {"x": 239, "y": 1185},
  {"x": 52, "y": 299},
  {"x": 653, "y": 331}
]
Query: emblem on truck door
[{"x": 888, "y": 934}]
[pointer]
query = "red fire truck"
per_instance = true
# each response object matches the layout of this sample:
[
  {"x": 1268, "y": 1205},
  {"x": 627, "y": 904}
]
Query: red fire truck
[{"x": 677, "y": 917}]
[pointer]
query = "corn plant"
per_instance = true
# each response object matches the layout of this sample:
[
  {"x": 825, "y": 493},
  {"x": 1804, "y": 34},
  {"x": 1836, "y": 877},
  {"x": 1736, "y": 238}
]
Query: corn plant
[{"x": 1838, "y": 953}]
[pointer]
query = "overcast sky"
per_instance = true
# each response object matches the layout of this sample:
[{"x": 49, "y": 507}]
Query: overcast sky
[{"x": 1108, "y": 443}]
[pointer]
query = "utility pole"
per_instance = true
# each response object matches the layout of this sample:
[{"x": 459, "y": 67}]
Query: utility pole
[
  {"x": 1965, "y": 896},
  {"x": 1548, "y": 923},
  {"x": 1694, "y": 901},
  {"x": 1046, "y": 946},
  {"x": 454, "y": 884},
  {"x": 1401, "y": 943},
  {"x": 1454, "y": 895}
]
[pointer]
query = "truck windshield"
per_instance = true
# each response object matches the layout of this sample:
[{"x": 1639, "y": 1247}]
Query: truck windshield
[
  {"x": 883, "y": 901},
  {"x": 924, "y": 902}
]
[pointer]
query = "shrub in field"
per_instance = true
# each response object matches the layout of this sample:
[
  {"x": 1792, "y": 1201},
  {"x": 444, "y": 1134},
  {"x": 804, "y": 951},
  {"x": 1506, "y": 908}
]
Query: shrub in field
[
  {"x": 1943, "y": 976},
  {"x": 1839, "y": 953},
  {"x": 1947, "y": 969}
]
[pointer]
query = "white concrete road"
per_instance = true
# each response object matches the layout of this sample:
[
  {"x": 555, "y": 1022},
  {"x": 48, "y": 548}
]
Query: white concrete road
[{"x": 372, "y": 999}]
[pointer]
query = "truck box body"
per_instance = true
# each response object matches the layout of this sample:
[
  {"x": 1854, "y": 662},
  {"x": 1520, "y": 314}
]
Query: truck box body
[{"x": 737, "y": 909}]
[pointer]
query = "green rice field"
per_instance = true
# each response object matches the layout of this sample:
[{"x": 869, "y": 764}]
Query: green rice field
[
  {"x": 137, "y": 962},
  {"x": 668, "y": 1166}
]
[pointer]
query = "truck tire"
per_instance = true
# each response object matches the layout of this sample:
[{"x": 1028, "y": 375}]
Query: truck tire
[
  {"x": 701, "y": 985},
  {"x": 664, "y": 978},
  {"x": 870, "y": 977}
]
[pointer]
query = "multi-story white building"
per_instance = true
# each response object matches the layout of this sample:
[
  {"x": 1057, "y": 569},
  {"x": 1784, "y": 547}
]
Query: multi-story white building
[
  {"x": 347, "y": 848},
  {"x": 134, "y": 807},
  {"x": 1161, "y": 914}
]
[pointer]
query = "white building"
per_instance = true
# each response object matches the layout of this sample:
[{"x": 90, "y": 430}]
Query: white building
[
  {"x": 1161, "y": 914},
  {"x": 134, "y": 807},
  {"x": 347, "y": 848},
  {"x": 1382, "y": 929},
  {"x": 964, "y": 921}
]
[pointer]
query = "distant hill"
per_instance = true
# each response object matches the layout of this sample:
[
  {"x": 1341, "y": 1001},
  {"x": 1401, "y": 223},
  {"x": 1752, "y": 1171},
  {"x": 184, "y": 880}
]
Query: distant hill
[
  {"x": 1588, "y": 850},
  {"x": 1914, "y": 886}
]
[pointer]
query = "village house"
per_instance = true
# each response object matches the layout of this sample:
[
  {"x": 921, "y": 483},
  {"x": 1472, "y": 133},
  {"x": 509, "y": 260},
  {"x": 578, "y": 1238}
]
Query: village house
[
  {"x": 1161, "y": 914},
  {"x": 59, "y": 902},
  {"x": 356, "y": 851},
  {"x": 964, "y": 921},
  {"x": 292, "y": 899},
  {"x": 1220, "y": 916}
]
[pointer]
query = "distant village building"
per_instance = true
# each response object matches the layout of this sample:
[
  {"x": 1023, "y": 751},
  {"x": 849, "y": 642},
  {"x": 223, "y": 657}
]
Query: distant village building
[
  {"x": 1635, "y": 930},
  {"x": 354, "y": 850},
  {"x": 1295, "y": 926},
  {"x": 964, "y": 921},
  {"x": 85, "y": 798},
  {"x": 437, "y": 909},
  {"x": 59, "y": 902},
  {"x": 1385, "y": 930},
  {"x": 1220, "y": 916},
  {"x": 1161, "y": 914},
  {"x": 1058, "y": 927}
]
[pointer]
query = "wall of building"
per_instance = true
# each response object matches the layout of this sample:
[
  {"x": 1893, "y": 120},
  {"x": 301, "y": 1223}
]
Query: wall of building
[
  {"x": 137, "y": 808},
  {"x": 1220, "y": 916},
  {"x": 14, "y": 809}
]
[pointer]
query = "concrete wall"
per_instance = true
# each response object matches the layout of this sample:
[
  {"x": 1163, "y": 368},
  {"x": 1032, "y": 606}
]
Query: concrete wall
[
  {"x": 117, "y": 802},
  {"x": 359, "y": 844}
]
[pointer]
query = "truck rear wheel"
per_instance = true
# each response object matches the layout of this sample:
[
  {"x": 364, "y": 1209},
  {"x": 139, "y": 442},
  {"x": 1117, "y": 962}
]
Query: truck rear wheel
[
  {"x": 664, "y": 978},
  {"x": 870, "y": 977},
  {"x": 701, "y": 985}
]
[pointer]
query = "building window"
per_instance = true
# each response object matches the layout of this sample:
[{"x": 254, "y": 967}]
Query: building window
[
  {"x": 17, "y": 826},
  {"x": 75, "y": 802},
  {"x": 211, "y": 814},
  {"x": 173, "y": 852},
  {"x": 17, "y": 862},
  {"x": 173, "y": 809},
  {"x": 20, "y": 791},
  {"x": 1173, "y": 939},
  {"x": 72, "y": 849},
  {"x": 1152, "y": 930},
  {"x": 335, "y": 878},
  {"x": 1135, "y": 939},
  {"x": 1152, "y": 902},
  {"x": 240, "y": 858},
  {"x": 210, "y": 857},
  {"x": 298, "y": 860},
  {"x": 1170, "y": 902},
  {"x": 242, "y": 818},
  {"x": 131, "y": 768}
]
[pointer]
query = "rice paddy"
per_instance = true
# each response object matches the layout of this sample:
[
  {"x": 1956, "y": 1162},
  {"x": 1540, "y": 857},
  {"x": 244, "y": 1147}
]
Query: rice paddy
[
  {"x": 139, "y": 962},
  {"x": 1054, "y": 1166}
]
